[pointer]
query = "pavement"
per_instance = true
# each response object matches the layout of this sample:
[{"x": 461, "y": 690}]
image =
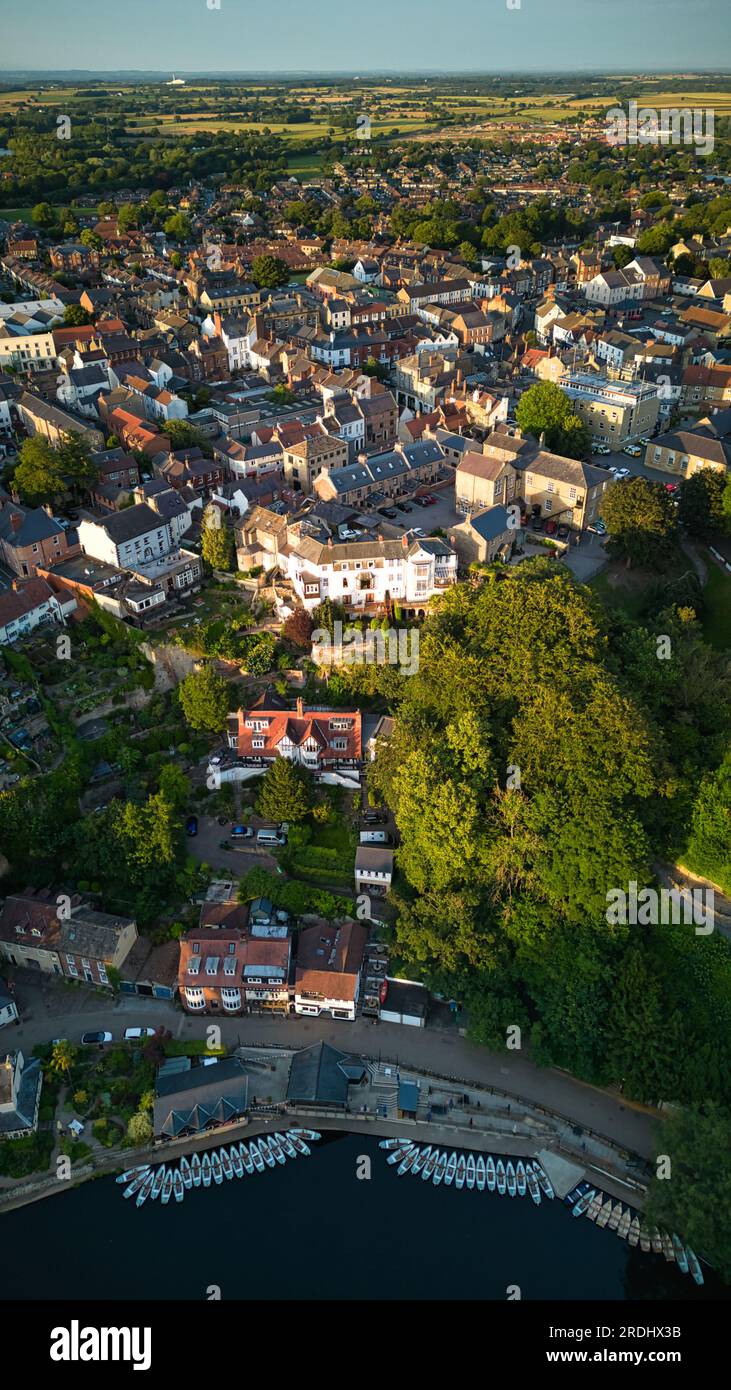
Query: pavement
[{"x": 50, "y": 1010}]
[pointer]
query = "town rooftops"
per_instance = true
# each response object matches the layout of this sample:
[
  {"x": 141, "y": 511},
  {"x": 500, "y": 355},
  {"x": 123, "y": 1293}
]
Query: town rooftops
[
  {"x": 321, "y": 1074},
  {"x": 130, "y": 522}
]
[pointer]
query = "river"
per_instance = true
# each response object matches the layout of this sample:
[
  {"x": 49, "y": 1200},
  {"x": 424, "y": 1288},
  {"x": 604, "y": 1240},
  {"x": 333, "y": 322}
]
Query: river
[{"x": 314, "y": 1229}]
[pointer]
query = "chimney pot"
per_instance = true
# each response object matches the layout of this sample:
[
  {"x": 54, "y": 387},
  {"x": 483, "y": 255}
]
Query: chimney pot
[
  {"x": 16, "y": 520},
  {"x": 300, "y": 707}
]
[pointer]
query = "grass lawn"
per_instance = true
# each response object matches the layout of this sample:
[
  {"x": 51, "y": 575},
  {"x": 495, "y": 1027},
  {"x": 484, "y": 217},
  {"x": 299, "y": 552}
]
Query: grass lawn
[
  {"x": 717, "y": 620},
  {"x": 621, "y": 588}
]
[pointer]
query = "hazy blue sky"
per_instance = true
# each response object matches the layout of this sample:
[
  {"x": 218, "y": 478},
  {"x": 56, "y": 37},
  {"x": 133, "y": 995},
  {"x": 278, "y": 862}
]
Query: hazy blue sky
[{"x": 404, "y": 35}]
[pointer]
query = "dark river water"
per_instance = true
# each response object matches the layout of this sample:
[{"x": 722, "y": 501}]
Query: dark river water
[{"x": 314, "y": 1229}]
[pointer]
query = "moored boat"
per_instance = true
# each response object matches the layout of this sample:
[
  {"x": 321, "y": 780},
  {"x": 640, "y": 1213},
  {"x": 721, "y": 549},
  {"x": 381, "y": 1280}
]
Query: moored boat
[
  {"x": 389, "y": 1143},
  {"x": 145, "y": 1189},
  {"x": 613, "y": 1221},
  {"x": 625, "y": 1221},
  {"x": 634, "y": 1232},
  {"x": 236, "y": 1163},
  {"x": 158, "y": 1182},
  {"x": 545, "y": 1181},
  {"x": 500, "y": 1177},
  {"x": 394, "y": 1157},
  {"x": 656, "y": 1238},
  {"x": 533, "y": 1184},
  {"x": 520, "y": 1178},
  {"x": 135, "y": 1184},
  {"x": 256, "y": 1154},
  {"x": 680, "y": 1256},
  {"x": 266, "y": 1152},
  {"x": 185, "y": 1173},
  {"x": 430, "y": 1165},
  {"x": 490, "y": 1172},
  {"x": 461, "y": 1172},
  {"x": 178, "y": 1185},
  {"x": 645, "y": 1241},
  {"x": 667, "y": 1248},
  {"x": 451, "y": 1169},
  {"x": 276, "y": 1149},
  {"x": 407, "y": 1162},
  {"x": 195, "y": 1169},
  {"x": 595, "y": 1206},
  {"x": 480, "y": 1173},
  {"x": 206, "y": 1171},
  {"x": 310, "y": 1134},
  {"x": 693, "y": 1264},
  {"x": 421, "y": 1160},
  {"x": 471, "y": 1170},
  {"x": 132, "y": 1173},
  {"x": 510, "y": 1179},
  {"x": 440, "y": 1169},
  {"x": 303, "y": 1148},
  {"x": 580, "y": 1207},
  {"x": 604, "y": 1214},
  {"x": 246, "y": 1158},
  {"x": 167, "y": 1187},
  {"x": 216, "y": 1167},
  {"x": 226, "y": 1164},
  {"x": 286, "y": 1145}
]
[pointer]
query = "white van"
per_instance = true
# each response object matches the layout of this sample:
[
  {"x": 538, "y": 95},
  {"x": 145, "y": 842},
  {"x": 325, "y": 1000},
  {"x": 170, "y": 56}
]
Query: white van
[{"x": 270, "y": 837}]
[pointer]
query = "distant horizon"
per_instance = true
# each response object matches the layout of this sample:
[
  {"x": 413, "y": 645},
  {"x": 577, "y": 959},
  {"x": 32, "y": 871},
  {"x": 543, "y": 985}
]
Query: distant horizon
[{"x": 412, "y": 74}]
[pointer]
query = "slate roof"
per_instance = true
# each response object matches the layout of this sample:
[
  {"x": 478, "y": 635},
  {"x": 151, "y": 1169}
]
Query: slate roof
[
  {"x": 321, "y": 1075},
  {"x": 22, "y": 1116},
  {"x": 190, "y": 1101}
]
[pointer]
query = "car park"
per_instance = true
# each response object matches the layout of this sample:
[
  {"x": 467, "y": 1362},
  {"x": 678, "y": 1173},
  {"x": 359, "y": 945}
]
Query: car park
[
  {"x": 191, "y": 825},
  {"x": 98, "y": 1039},
  {"x": 132, "y": 1034},
  {"x": 403, "y": 507},
  {"x": 390, "y": 512}
]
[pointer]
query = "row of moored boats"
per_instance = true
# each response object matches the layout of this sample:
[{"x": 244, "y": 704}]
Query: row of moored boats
[
  {"x": 469, "y": 1170},
  {"x": 598, "y": 1207},
  {"x": 168, "y": 1181}
]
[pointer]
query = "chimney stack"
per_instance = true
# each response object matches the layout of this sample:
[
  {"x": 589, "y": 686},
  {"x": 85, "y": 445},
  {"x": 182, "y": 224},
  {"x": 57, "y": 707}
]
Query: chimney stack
[
  {"x": 405, "y": 541},
  {"x": 300, "y": 707},
  {"x": 16, "y": 520}
]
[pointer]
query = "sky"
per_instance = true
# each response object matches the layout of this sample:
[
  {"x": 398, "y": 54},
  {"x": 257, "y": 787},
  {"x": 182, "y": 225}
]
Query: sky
[{"x": 248, "y": 36}]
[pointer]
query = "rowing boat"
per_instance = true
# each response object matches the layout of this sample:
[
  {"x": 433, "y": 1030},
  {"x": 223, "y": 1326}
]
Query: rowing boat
[
  {"x": 480, "y": 1173},
  {"x": 407, "y": 1162},
  {"x": 510, "y": 1179},
  {"x": 595, "y": 1206},
  {"x": 167, "y": 1187},
  {"x": 579, "y": 1207},
  {"x": 286, "y": 1145},
  {"x": 614, "y": 1219},
  {"x": 451, "y": 1169},
  {"x": 500, "y": 1177},
  {"x": 544, "y": 1180},
  {"x": 430, "y": 1165},
  {"x": 275, "y": 1148},
  {"x": 178, "y": 1187},
  {"x": 680, "y": 1255},
  {"x": 625, "y": 1221},
  {"x": 226, "y": 1164},
  {"x": 520, "y": 1178},
  {"x": 471, "y": 1170},
  {"x": 693, "y": 1262},
  {"x": 145, "y": 1189},
  {"x": 440, "y": 1169},
  {"x": 656, "y": 1239},
  {"x": 132, "y": 1172},
  {"x": 645, "y": 1240},
  {"x": 158, "y": 1182},
  {"x": 421, "y": 1160},
  {"x": 461, "y": 1172},
  {"x": 310, "y": 1134},
  {"x": 667, "y": 1248},
  {"x": 257, "y": 1156},
  {"x": 533, "y": 1184},
  {"x": 195, "y": 1169},
  {"x": 389, "y": 1143},
  {"x": 634, "y": 1232},
  {"x": 490, "y": 1172},
  {"x": 237, "y": 1165},
  {"x": 206, "y": 1170},
  {"x": 185, "y": 1173},
  {"x": 246, "y": 1158},
  {"x": 135, "y": 1184},
  {"x": 604, "y": 1214},
  {"x": 266, "y": 1152},
  {"x": 394, "y": 1157}
]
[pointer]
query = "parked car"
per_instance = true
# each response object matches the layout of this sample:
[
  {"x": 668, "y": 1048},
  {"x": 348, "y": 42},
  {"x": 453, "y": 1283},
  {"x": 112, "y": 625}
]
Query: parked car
[
  {"x": 270, "y": 837},
  {"x": 242, "y": 832},
  {"x": 633, "y": 450},
  {"x": 421, "y": 502},
  {"x": 600, "y": 449},
  {"x": 403, "y": 507},
  {"x": 597, "y": 527},
  {"x": 390, "y": 512},
  {"x": 620, "y": 473},
  {"x": 89, "y": 1039},
  {"x": 191, "y": 825},
  {"x": 672, "y": 487},
  {"x": 564, "y": 532},
  {"x": 550, "y": 526},
  {"x": 131, "y": 1034},
  {"x": 430, "y": 500}
]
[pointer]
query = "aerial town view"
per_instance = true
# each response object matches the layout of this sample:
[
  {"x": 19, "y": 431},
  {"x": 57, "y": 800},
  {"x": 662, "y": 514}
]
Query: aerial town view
[{"x": 365, "y": 638}]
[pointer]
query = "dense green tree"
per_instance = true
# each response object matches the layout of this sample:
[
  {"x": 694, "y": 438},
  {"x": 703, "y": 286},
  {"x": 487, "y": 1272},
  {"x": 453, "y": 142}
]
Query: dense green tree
[
  {"x": 75, "y": 317},
  {"x": 285, "y": 793},
  {"x": 641, "y": 522},
  {"x": 268, "y": 272},
  {"x": 701, "y": 503},
  {"x": 217, "y": 540},
  {"x": 708, "y": 851},
  {"x": 695, "y": 1199},
  {"x": 545, "y": 409},
  {"x": 43, "y": 215},
  {"x": 38, "y": 477},
  {"x": 204, "y": 699}
]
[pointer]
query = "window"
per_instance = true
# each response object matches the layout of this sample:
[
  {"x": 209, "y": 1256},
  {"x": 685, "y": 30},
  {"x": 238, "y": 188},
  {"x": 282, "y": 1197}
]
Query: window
[{"x": 257, "y": 743}]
